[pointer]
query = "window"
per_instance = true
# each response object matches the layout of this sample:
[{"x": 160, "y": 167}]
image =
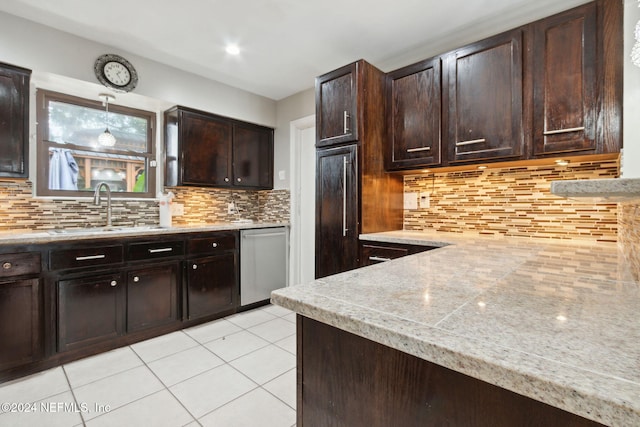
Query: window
[{"x": 71, "y": 161}]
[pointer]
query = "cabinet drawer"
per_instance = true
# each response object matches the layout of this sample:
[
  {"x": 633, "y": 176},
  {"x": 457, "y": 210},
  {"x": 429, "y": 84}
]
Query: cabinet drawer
[
  {"x": 85, "y": 257},
  {"x": 151, "y": 250},
  {"x": 19, "y": 264},
  {"x": 213, "y": 243},
  {"x": 373, "y": 254}
]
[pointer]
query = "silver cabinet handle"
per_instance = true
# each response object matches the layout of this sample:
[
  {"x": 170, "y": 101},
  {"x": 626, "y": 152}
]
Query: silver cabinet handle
[
  {"x": 239, "y": 179},
  {"x": 567, "y": 130},
  {"x": 413, "y": 150},
  {"x": 377, "y": 258},
  {"x": 345, "y": 119},
  {"x": 195, "y": 266},
  {"x": 344, "y": 196},
  {"x": 214, "y": 244},
  {"x": 136, "y": 279},
  {"x": 155, "y": 251},
  {"x": 113, "y": 283},
  {"x": 471, "y": 141},
  {"x": 226, "y": 180},
  {"x": 7, "y": 266},
  {"x": 88, "y": 257}
]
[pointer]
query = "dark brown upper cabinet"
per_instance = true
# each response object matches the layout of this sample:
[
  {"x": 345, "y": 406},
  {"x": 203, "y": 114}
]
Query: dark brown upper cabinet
[
  {"x": 485, "y": 92},
  {"x": 252, "y": 156},
  {"x": 337, "y": 105},
  {"x": 414, "y": 98},
  {"x": 14, "y": 121},
  {"x": 206, "y": 150},
  {"x": 565, "y": 99}
]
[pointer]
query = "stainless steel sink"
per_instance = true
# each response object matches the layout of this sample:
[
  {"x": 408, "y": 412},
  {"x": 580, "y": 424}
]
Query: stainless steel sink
[{"x": 108, "y": 229}]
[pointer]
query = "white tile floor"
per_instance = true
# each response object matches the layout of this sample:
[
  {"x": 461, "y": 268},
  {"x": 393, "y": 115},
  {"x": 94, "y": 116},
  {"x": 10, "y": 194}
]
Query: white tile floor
[{"x": 236, "y": 371}]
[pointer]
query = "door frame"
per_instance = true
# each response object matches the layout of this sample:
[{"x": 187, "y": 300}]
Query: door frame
[{"x": 295, "y": 131}]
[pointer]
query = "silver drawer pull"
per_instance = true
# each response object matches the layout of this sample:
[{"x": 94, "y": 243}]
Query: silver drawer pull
[
  {"x": 215, "y": 245},
  {"x": 345, "y": 125},
  {"x": 6, "y": 266},
  {"x": 567, "y": 130},
  {"x": 194, "y": 266},
  {"x": 377, "y": 258},
  {"x": 88, "y": 257},
  {"x": 471, "y": 141},
  {"x": 136, "y": 279},
  {"x": 413, "y": 150},
  {"x": 155, "y": 251},
  {"x": 113, "y": 283}
]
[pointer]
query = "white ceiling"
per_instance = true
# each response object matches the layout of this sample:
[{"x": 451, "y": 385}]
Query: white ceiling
[{"x": 284, "y": 44}]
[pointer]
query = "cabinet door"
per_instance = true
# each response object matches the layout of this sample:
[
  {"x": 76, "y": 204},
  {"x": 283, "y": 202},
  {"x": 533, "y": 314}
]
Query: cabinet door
[
  {"x": 206, "y": 150},
  {"x": 252, "y": 157},
  {"x": 413, "y": 109},
  {"x": 14, "y": 121},
  {"x": 336, "y": 106},
  {"x": 20, "y": 322},
  {"x": 91, "y": 310},
  {"x": 212, "y": 285},
  {"x": 485, "y": 100},
  {"x": 336, "y": 210},
  {"x": 564, "y": 82},
  {"x": 152, "y": 296}
]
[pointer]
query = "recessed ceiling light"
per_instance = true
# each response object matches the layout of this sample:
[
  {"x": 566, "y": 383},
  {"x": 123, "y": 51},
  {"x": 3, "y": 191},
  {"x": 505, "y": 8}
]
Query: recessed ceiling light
[
  {"x": 482, "y": 167},
  {"x": 562, "y": 162},
  {"x": 233, "y": 49}
]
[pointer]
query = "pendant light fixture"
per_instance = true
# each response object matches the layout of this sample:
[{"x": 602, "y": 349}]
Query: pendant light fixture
[{"x": 106, "y": 138}]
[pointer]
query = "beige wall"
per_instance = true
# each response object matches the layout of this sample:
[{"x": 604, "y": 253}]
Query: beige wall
[
  {"x": 631, "y": 130},
  {"x": 46, "y": 50},
  {"x": 289, "y": 109}
]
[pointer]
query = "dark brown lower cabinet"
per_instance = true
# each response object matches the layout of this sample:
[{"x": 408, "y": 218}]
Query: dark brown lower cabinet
[
  {"x": 20, "y": 336},
  {"x": 346, "y": 380},
  {"x": 152, "y": 296},
  {"x": 212, "y": 285},
  {"x": 91, "y": 309},
  {"x": 377, "y": 252}
]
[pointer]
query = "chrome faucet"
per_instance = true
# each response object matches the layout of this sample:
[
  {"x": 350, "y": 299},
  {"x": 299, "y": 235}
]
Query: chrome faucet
[{"x": 96, "y": 200}]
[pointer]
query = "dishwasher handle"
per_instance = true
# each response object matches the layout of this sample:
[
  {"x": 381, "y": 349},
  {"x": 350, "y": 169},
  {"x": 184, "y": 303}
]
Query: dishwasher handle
[{"x": 264, "y": 235}]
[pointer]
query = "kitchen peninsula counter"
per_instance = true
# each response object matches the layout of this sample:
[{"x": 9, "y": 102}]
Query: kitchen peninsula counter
[{"x": 556, "y": 322}]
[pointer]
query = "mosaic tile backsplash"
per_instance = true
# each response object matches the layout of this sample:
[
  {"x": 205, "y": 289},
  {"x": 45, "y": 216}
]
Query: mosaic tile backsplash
[
  {"x": 513, "y": 201},
  {"x": 19, "y": 210},
  {"x": 629, "y": 235}
]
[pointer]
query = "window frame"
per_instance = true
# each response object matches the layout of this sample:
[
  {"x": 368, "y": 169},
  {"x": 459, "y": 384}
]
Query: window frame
[{"x": 43, "y": 97}]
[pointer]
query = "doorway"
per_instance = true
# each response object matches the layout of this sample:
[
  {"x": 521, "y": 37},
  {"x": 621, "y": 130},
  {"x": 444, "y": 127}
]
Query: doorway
[{"x": 303, "y": 199}]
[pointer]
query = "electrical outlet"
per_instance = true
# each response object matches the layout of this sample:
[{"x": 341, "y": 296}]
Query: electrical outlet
[
  {"x": 177, "y": 209},
  {"x": 231, "y": 208},
  {"x": 425, "y": 200}
]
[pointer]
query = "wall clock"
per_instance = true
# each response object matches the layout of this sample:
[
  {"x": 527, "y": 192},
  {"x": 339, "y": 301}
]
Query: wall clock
[{"x": 115, "y": 72}]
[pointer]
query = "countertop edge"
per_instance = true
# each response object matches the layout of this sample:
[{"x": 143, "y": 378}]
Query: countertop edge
[{"x": 42, "y": 237}]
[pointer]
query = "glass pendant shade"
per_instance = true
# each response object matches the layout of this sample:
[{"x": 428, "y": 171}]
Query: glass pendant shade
[{"x": 106, "y": 138}]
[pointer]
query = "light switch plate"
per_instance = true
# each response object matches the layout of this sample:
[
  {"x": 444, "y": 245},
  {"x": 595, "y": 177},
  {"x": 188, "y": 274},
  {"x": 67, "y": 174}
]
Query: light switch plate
[
  {"x": 411, "y": 200},
  {"x": 425, "y": 200}
]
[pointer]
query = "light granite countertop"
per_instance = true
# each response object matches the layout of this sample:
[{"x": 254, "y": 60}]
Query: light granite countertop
[
  {"x": 28, "y": 237},
  {"x": 557, "y": 322},
  {"x": 599, "y": 190}
]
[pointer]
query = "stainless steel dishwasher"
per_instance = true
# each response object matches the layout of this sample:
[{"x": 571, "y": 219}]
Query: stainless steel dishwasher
[{"x": 264, "y": 263}]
